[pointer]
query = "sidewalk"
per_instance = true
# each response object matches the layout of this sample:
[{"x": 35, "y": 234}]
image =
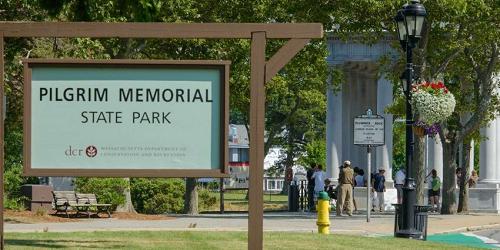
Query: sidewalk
[{"x": 379, "y": 225}]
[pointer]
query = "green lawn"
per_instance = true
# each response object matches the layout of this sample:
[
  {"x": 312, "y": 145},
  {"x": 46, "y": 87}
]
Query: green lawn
[{"x": 206, "y": 240}]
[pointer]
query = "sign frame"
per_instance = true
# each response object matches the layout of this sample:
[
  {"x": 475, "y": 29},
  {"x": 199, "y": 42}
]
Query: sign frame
[
  {"x": 368, "y": 116},
  {"x": 262, "y": 70},
  {"x": 221, "y": 66}
]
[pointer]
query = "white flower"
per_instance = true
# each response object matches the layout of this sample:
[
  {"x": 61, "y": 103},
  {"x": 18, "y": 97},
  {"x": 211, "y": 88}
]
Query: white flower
[{"x": 433, "y": 108}]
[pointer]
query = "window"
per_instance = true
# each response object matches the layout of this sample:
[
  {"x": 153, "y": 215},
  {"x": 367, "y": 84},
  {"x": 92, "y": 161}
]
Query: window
[
  {"x": 271, "y": 185},
  {"x": 238, "y": 155}
]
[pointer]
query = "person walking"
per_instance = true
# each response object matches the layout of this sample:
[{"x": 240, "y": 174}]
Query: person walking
[
  {"x": 399, "y": 182},
  {"x": 379, "y": 187},
  {"x": 344, "y": 195}
]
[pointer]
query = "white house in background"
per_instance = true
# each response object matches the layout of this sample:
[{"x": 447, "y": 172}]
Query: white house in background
[
  {"x": 276, "y": 183},
  {"x": 239, "y": 162}
]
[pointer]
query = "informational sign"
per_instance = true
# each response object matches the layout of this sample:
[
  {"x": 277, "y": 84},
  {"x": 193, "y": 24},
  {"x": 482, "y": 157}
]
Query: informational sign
[
  {"x": 239, "y": 176},
  {"x": 125, "y": 118},
  {"x": 369, "y": 130}
]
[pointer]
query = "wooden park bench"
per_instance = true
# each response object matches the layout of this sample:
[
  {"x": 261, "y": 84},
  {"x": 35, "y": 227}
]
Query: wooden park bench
[
  {"x": 65, "y": 201},
  {"x": 91, "y": 201}
]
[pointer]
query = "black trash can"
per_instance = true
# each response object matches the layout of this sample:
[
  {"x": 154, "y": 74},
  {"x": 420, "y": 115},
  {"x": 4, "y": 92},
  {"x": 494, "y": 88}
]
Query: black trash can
[
  {"x": 293, "y": 198},
  {"x": 421, "y": 218}
]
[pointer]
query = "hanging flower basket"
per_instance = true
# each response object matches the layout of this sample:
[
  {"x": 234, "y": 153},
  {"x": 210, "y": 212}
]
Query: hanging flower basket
[
  {"x": 420, "y": 128},
  {"x": 419, "y": 131},
  {"x": 432, "y": 102}
]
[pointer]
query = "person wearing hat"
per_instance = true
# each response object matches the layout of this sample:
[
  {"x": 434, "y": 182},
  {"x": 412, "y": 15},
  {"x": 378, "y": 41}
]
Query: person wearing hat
[
  {"x": 344, "y": 194},
  {"x": 379, "y": 187}
]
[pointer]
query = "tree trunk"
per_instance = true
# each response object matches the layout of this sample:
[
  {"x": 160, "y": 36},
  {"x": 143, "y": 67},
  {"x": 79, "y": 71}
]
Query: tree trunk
[
  {"x": 128, "y": 207},
  {"x": 124, "y": 52},
  {"x": 288, "y": 170},
  {"x": 463, "y": 198},
  {"x": 419, "y": 168},
  {"x": 449, "y": 178},
  {"x": 191, "y": 197}
]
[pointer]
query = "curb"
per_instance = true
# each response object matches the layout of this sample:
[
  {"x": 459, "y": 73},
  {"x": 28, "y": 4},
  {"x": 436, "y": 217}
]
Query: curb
[{"x": 469, "y": 229}]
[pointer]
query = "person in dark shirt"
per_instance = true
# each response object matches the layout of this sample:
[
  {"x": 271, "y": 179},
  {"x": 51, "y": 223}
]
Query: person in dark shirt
[
  {"x": 379, "y": 187},
  {"x": 310, "y": 187}
]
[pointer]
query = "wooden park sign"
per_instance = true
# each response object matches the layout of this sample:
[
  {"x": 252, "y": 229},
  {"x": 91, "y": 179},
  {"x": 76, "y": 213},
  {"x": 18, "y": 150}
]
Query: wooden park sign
[
  {"x": 125, "y": 118},
  {"x": 41, "y": 87}
]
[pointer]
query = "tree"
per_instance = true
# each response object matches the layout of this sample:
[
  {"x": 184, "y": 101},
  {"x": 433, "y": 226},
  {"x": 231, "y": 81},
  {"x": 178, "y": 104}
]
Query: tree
[
  {"x": 458, "y": 45},
  {"x": 14, "y": 50},
  {"x": 298, "y": 88},
  {"x": 315, "y": 153},
  {"x": 191, "y": 197}
]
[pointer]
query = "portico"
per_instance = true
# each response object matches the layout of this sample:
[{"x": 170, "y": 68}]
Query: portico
[{"x": 364, "y": 88}]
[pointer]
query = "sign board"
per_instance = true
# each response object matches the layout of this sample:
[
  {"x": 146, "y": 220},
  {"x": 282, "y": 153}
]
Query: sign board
[
  {"x": 126, "y": 118},
  {"x": 239, "y": 176},
  {"x": 369, "y": 130}
]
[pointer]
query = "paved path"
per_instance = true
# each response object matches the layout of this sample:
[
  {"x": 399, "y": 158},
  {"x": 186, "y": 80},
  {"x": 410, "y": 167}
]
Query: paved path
[{"x": 379, "y": 225}]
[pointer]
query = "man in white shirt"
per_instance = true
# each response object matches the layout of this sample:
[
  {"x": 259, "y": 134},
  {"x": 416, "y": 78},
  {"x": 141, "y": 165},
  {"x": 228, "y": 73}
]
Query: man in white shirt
[
  {"x": 319, "y": 181},
  {"x": 399, "y": 182}
]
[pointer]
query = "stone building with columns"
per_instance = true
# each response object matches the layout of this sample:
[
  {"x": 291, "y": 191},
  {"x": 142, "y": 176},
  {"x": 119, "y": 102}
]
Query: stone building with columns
[{"x": 364, "y": 87}]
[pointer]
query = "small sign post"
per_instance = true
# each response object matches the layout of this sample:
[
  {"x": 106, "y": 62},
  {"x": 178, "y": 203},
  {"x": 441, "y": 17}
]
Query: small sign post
[{"x": 369, "y": 131}]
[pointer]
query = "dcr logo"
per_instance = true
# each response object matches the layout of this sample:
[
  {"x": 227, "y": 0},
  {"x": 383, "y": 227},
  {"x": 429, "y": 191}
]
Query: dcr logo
[{"x": 90, "y": 151}]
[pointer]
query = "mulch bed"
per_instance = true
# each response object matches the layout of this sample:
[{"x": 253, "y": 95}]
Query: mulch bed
[{"x": 28, "y": 217}]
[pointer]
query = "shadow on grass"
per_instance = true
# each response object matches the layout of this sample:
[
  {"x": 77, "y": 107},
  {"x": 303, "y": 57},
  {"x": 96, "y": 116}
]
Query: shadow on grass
[{"x": 59, "y": 244}]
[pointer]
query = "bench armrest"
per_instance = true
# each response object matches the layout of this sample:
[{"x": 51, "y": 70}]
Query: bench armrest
[{"x": 84, "y": 198}]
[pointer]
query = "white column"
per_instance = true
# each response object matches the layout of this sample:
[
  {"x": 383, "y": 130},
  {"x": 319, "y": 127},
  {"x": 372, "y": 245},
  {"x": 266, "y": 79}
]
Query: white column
[
  {"x": 471, "y": 156},
  {"x": 384, "y": 153},
  {"x": 488, "y": 154},
  {"x": 435, "y": 156},
  {"x": 333, "y": 133},
  {"x": 463, "y": 120}
]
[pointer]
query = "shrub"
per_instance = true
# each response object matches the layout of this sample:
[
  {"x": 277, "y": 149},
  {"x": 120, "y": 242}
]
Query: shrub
[
  {"x": 157, "y": 196},
  {"x": 213, "y": 185},
  {"x": 16, "y": 203},
  {"x": 13, "y": 179},
  {"x": 205, "y": 199},
  {"x": 108, "y": 190}
]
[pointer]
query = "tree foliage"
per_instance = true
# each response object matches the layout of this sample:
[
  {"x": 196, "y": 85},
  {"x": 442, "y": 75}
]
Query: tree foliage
[
  {"x": 460, "y": 46},
  {"x": 107, "y": 190},
  {"x": 295, "y": 107}
]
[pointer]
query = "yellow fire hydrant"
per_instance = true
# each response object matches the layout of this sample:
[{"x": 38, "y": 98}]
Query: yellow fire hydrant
[{"x": 323, "y": 209}]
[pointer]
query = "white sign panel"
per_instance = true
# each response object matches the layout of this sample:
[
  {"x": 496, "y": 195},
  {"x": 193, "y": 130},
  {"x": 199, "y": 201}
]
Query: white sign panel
[
  {"x": 125, "y": 116},
  {"x": 369, "y": 130}
]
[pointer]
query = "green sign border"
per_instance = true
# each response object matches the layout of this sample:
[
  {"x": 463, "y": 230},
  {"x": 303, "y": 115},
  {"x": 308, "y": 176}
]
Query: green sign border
[{"x": 222, "y": 66}]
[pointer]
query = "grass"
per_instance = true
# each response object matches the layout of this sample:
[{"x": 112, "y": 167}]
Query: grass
[
  {"x": 234, "y": 200},
  {"x": 206, "y": 240}
]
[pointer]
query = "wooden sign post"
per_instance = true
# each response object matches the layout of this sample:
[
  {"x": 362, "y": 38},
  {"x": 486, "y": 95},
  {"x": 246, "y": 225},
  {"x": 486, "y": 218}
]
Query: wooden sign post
[{"x": 261, "y": 72}]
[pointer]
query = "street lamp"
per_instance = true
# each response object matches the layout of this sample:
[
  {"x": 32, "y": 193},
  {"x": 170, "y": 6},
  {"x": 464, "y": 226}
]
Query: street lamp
[{"x": 410, "y": 20}]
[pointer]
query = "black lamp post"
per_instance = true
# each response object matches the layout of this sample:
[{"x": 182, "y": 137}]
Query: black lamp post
[{"x": 410, "y": 20}]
